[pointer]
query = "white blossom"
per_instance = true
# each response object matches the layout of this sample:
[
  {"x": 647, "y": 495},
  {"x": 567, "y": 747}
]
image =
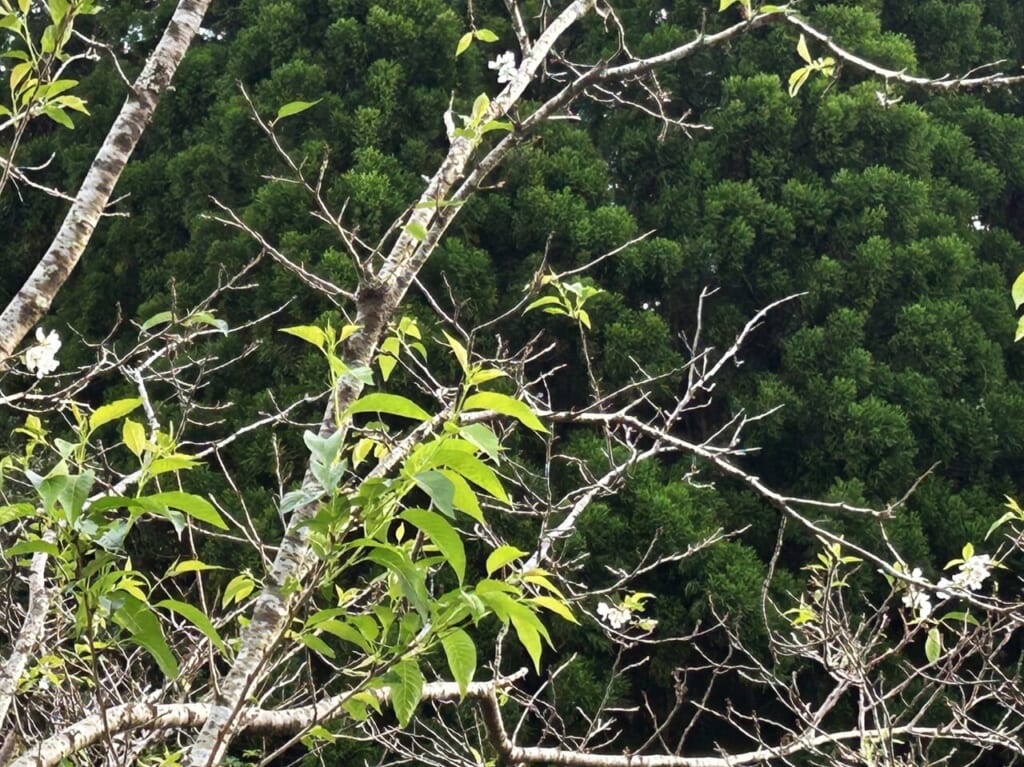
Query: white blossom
[
  {"x": 916, "y": 599},
  {"x": 506, "y": 66},
  {"x": 661, "y": 16},
  {"x": 974, "y": 571},
  {"x": 41, "y": 359},
  {"x": 617, "y": 617}
]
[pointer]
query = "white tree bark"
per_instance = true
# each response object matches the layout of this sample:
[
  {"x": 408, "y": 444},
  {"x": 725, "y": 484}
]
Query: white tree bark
[{"x": 52, "y": 271}]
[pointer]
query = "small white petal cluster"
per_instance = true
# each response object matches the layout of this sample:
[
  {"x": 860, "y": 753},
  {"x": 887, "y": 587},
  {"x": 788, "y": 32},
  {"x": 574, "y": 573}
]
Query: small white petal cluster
[
  {"x": 971, "y": 575},
  {"x": 661, "y": 16},
  {"x": 916, "y": 599},
  {"x": 41, "y": 359},
  {"x": 506, "y": 66},
  {"x": 616, "y": 617}
]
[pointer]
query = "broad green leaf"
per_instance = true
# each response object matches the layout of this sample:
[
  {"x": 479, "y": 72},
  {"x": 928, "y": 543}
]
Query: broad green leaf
[
  {"x": 443, "y": 535},
  {"x": 724, "y": 4},
  {"x": 486, "y": 36},
  {"x": 317, "y": 645},
  {"x": 294, "y": 108},
  {"x": 960, "y": 617},
  {"x": 137, "y": 619},
  {"x": 801, "y": 49},
  {"x": 464, "y": 43},
  {"x": 309, "y": 333},
  {"x": 113, "y": 411},
  {"x": 555, "y": 606},
  {"x": 473, "y": 469},
  {"x": 192, "y": 505},
  {"x": 501, "y": 556},
  {"x": 933, "y": 645},
  {"x": 32, "y": 547},
  {"x": 502, "y": 403},
  {"x": 59, "y": 116},
  {"x": 196, "y": 617},
  {"x": 406, "y": 682},
  {"x": 529, "y": 629},
  {"x": 439, "y": 488},
  {"x": 461, "y": 654},
  {"x": 483, "y": 437},
  {"x": 392, "y": 404},
  {"x": 134, "y": 436},
  {"x": 16, "y": 511},
  {"x": 157, "y": 319},
  {"x": 345, "y": 632},
  {"x": 464, "y": 498}
]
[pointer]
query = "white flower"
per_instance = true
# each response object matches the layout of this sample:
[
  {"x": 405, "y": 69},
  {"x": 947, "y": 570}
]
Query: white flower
[
  {"x": 617, "y": 617},
  {"x": 661, "y": 16},
  {"x": 974, "y": 571},
  {"x": 41, "y": 359},
  {"x": 916, "y": 599},
  {"x": 506, "y": 66}
]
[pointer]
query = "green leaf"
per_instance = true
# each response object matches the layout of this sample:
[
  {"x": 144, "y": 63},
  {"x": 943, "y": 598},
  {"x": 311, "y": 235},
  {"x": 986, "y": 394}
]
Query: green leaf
[
  {"x": 801, "y": 49},
  {"x": 192, "y": 505},
  {"x": 933, "y": 645},
  {"x": 797, "y": 79},
  {"x": 392, "y": 404},
  {"x": 443, "y": 535},
  {"x": 439, "y": 488},
  {"x": 345, "y": 632},
  {"x": 556, "y": 606},
  {"x": 502, "y": 403},
  {"x": 473, "y": 469},
  {"x": 308, "y": 333},
  {"x": 157, "y": 319},
  {"x": 486, "y": 36},
  {"x": 113, "y": 411},
  {"x": 196, "y": 617},
  {"x": 464, "y": 43},
  {"x": 406, "y": 682},
  {"x": 461, "y": 654},
  {"x": 317, "y": 645},
  {"x": 529, "y": 629},
  {"x": 59, "y": 116},
  {"x": 725, "y": 4},
  {"x": 294, "y": 108},
  {"x": 1018, "y": 290},
  {"x": 417, "y": 231},
  {"x": 17, "y": 511},
  {"x": 134, "y": 436},
  {"x": 32, "y": 547},
  {"x": 501, "y": 556},
  {"x": 464, "y": 498},
  {"x": 460, "y": 353},
  {"x": 238, "y": 588},
  {"x": 190, "y": 566},
  {"x": 483, "y": 437},
  {"x": 137, "y": 619}
]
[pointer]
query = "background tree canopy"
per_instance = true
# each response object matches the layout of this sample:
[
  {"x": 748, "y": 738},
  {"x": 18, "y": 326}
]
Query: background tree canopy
[{"x": 893, "y": 213}]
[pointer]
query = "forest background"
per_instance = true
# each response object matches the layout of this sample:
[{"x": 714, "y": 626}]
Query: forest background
[{"x": 894, "y": 212}]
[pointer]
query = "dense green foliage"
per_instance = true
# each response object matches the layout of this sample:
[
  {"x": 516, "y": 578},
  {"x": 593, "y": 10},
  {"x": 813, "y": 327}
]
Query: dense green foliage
[{"x": 895, "y": 214}]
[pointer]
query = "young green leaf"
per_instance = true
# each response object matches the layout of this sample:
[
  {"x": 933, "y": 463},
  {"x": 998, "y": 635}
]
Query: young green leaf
[
  {"x": 801, "y": 49},
  {"x": 406, "y": 682},
  {"x": 392, "y": 404},
  {"x": 137, "y": 619},
  {"x": 502, "y": 403},
  {"x": 933, "y": 645},
  {"x": 464, "y": 43},
  {"x": 461, "y": 654},
  {"x": 443, "y": 535},
  {"x": 501, "y": 556},
  {"x": 308, "y": 333},
  {"x": 196, "y": 617},
  {"x": 111, "y": 412},
  {"x": 294, "y": 108}
]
